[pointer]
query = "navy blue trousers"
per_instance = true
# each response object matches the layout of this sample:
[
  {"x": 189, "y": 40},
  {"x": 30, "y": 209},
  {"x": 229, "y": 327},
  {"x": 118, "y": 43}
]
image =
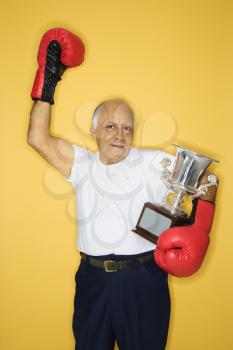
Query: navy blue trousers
[{"x": 130, "y": 306}]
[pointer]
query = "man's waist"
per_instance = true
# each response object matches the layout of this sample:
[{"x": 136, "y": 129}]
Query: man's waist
[{"x": 112, "y": 262}]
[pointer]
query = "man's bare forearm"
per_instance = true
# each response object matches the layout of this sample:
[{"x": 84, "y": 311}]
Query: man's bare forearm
[
  {"x": 39, "y": 125},
  {"x": 57, "y": 151}
]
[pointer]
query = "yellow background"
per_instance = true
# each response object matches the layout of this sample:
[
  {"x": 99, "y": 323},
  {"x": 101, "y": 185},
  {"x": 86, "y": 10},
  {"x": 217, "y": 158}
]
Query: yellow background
[{"x": 173, "y": 61}]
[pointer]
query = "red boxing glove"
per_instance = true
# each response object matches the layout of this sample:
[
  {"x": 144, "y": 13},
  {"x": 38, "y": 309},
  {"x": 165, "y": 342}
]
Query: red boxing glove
[
  {"x": 58, "y": 50},
  {"x": 180, "y": 250}
]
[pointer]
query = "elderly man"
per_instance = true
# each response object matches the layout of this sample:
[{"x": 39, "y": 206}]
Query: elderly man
[{"x": 121, "y": 293}]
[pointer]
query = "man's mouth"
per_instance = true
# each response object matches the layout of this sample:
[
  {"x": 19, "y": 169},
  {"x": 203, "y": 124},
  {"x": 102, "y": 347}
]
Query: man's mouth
[{"x": 119, "y": 146}]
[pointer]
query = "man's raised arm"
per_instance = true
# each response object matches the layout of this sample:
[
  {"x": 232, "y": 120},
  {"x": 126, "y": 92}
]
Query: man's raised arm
[
  {"x": 57, "y": 151},
  {"x": 59, "y": 49}
]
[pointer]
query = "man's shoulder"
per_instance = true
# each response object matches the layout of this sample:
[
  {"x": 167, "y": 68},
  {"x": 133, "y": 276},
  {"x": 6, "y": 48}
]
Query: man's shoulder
[
  {"x": 152, "y": 158},
  {"x": 82, "y": 154},
  {"x": 81, "y": 149},
  {"x": 149, "y": 153}
]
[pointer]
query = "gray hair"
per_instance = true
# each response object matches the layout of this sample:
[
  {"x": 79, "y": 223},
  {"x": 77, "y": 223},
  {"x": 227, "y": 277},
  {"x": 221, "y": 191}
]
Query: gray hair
[{"x": 96, "y": 115}]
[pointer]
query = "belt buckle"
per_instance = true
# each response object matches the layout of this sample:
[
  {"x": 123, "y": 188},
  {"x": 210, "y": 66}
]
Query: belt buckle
[{"x": 106, "y": 267}]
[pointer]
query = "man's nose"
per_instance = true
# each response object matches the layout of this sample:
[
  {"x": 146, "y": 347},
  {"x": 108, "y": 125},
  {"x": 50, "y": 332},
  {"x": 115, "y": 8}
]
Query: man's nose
[{"x": 120, "y": 134}]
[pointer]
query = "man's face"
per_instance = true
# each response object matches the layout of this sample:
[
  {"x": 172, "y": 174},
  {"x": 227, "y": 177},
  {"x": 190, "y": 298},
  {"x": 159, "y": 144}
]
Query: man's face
[{"x": 114, "y": 132}]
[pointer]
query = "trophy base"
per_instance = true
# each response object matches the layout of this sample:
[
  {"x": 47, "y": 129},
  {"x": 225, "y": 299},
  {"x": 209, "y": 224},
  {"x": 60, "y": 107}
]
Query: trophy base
[{"x": 154, "y": 220}]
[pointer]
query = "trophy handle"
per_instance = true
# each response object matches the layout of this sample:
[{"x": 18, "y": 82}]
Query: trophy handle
[
  {"x": 165, "y": 164},
  {"x": 203, "y": 188}
]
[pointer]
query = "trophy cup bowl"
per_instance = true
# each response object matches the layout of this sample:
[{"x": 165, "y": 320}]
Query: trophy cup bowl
[{"x": 183, "y": 180}]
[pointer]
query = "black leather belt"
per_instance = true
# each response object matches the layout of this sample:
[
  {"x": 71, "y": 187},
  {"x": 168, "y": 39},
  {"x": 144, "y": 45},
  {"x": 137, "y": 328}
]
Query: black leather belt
[{"x": 115, "y": 265}]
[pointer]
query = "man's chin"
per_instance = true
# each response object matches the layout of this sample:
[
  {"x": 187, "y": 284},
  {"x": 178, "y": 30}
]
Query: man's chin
[
  {"x": 116, "y": 157},
  {"x": 116, "y": 154},
  {"x": 120, "y": 154}
]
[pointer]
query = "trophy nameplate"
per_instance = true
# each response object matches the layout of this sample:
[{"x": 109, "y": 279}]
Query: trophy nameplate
[{"x": 154, "y": 219}]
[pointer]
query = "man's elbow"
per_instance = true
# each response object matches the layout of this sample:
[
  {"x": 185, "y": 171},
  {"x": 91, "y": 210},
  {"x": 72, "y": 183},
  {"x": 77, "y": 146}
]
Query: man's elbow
[{"x": 35, "y": 141}]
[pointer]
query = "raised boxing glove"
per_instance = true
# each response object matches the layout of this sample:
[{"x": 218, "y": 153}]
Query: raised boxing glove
[
  {"x": 58, "y": 50},
  {"x": 180, "y": 250}
]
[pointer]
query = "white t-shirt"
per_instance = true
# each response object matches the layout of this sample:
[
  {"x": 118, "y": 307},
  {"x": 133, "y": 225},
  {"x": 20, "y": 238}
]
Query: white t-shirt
[{"x": 110, "y": 198}]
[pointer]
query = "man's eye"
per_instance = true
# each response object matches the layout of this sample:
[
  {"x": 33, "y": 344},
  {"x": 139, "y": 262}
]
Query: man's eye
[
  {"x": 109, "y": 126},
  {"x": 128, "y": 128}
]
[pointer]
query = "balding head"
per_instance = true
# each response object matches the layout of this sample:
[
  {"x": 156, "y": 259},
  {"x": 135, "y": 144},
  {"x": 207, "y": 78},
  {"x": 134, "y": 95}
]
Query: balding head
[{"x": 109, "y": 107}]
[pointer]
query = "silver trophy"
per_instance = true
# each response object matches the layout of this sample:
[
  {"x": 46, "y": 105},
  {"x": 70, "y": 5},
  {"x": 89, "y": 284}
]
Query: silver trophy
[{"x": 183, "y": 180}]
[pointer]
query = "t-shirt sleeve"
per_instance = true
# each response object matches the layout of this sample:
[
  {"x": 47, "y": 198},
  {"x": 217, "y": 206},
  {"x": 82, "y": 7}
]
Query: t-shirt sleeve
[
  {"x": 80, "y": 166},
  {"x": 156, "y": 160},
  {"x": 153, "y": 161}
]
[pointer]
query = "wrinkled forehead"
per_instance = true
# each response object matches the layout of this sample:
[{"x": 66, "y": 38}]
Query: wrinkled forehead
[{"x": 119, "y": 113}]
